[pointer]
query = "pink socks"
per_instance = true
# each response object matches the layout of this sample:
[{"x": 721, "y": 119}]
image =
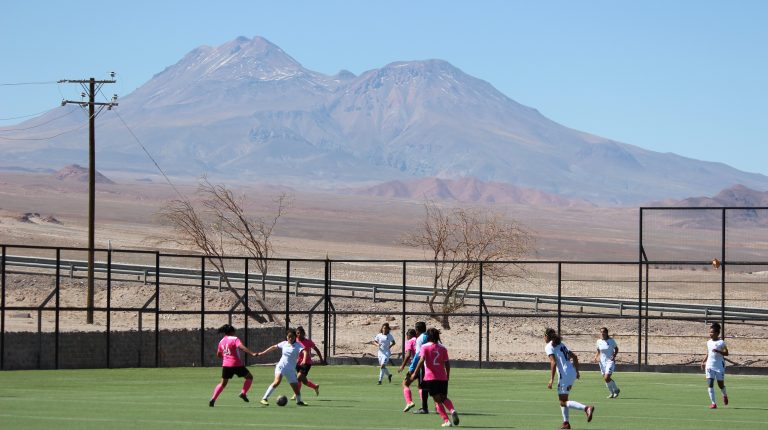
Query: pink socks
[
  {"x": 407, "y": 395},
  {"x": 217, "y": 391},
  {"x": 247, "y": 385}
]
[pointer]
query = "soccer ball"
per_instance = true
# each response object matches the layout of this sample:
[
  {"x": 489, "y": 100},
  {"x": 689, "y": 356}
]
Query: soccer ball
[{"x": 282, "y": 401}]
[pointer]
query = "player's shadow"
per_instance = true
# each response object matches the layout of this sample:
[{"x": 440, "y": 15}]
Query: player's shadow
[
  {"x": 749, "y": 408},
  {"x": 475, "y": 414}
]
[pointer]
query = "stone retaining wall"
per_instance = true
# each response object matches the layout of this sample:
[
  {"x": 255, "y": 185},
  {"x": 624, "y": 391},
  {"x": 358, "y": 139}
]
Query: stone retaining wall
[{"x": 88, "y": 350}]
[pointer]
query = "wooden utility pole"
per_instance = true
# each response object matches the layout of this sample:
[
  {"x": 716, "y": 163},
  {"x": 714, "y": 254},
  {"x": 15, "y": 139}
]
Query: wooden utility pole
[{"x": 91, "y": 87}]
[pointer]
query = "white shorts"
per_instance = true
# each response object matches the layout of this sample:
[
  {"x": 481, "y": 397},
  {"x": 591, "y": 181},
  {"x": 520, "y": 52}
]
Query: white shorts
[
  {"x": 718, "y": 374},
  {"x": 608, "y": 367},
  {"x": 383, "y": 358},
  {"x": 564, "y": 383},
  {"x": 288, "y": 372}
]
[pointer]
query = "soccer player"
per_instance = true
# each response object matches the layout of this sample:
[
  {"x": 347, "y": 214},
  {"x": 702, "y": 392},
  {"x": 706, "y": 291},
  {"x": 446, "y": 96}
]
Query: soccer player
[
  {"x": 385, "y": 341},
  {"x": 714, "y": 364},
  {"x": 437, "y": 370},
  {"x": 409, "y": 351},
  {"x": 291, "y": 349},
  {"x": 421, "y": 338},
  {"x": 567, "y": 365},
  {"x": 606, "y": 356},
  {"x": 231, "y": 364},
  {"x": 302, "y": 367}
]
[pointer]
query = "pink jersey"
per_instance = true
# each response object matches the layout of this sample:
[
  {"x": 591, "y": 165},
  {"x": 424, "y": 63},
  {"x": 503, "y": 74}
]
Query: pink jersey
[
  {"x": 410, "y": 345},
  {"x": 230, "y": 351},
  {"x": 308, "y": 345},
  {"x": 435, "y": 356}
]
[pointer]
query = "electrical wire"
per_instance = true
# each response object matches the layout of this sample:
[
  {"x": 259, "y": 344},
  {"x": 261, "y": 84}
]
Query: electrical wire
[
  {"x": 27, "y": 83},
  {"x": 48, "y": 137},
  {"x": 24, "y": 116},
  {"x": 38, "y": 125}
]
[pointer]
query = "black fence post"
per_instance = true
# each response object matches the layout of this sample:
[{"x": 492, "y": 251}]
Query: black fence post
[
  {"x": 109, "y": 307},
  {"x": 480, "y": 322},
  {"x": 157, "y": 308},
  {"x": 287, "y": 294},
  {"x": 57, "y": 312},
  {"x": 202, "y": 312},
  {"x": 722, "y": 277},
  {"x": 404, "y": 307},
  {"x": 246, "y": 287},
  {"x": 640, "y": 295},
  {"x": 2, "y": 310},
  {"x": 325, "y": 309},
  {"x": 559, "y": 296}
]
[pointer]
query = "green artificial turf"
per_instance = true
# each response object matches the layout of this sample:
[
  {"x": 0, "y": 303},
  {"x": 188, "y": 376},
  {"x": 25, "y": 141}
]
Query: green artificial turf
[{"x": 349, "y": 398}]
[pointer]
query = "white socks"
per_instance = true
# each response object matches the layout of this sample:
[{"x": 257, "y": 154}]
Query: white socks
[
  {"x": 612, "y": 386},
  {"x": 269, "y": 392},
  {"x": 711, "y": 392}
]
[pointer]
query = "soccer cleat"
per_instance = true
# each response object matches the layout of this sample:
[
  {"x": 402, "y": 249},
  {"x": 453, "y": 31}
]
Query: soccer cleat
[
  {"x": 244, "y": 397},
  {"x": 447, "y": 424},
  {"x": 390, "y": 378},
  {"x": 211, "y": 403},
  {"x": 616, "y": 394},
  {"x": 455, "y": 417},
  {"x": 588, "y": 411},
  {"x": 378, "y": 383},
  {"x": 611, "y": 396},
  {"x": 301, "y": 404},
  {"x": 713, "y": 406},
  {"x": 421, "y": 411},
  {"x": 293, "y": 397},
  {"x": 317, "y": 390},
  {"x": 566, "y": 425},
  {"x": 264, "y": 402},
  {"x": 725, "y": 400},
  {"x": 409, "y": 406}
]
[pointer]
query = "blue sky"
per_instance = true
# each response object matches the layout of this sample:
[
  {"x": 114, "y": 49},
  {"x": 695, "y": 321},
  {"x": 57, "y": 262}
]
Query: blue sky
[{"x": 689, "y": 77}]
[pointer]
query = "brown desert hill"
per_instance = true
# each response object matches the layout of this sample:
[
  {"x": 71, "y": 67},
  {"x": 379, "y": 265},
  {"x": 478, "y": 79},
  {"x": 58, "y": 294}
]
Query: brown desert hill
[
  {"x": 75, "y": 172},
  {"x": 737, "y": 196},
  {"x": 468, "y": 190}
]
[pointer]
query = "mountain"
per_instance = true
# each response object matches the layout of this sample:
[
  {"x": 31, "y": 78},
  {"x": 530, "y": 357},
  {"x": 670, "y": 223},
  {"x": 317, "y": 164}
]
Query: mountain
[
  {"x": 736, "y": 196},
  {"x": 467, "y": 190},
  {"x": 75, "y": 172},
  {"x": 248, "y": 111}
]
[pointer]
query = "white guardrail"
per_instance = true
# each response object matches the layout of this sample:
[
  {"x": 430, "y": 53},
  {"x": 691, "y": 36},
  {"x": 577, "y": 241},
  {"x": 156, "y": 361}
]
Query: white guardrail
[{"x": 146, "y": 272}]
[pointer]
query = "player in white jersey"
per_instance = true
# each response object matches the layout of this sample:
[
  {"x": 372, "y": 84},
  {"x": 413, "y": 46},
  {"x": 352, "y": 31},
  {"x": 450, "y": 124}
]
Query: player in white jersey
[
  {"x": 385, "y": 341},
  {"x": 565, "y": 362},
  {"x": 714, "y": 364},
  {"x": 291, "y": 349},
  {"x": 606, "y": 356}
]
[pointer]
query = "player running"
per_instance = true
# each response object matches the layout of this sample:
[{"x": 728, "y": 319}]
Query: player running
[
  {"x": 409, "y": 351},
  {"x": 714, "y": 364},
  {"x": 385, "y": 341},
  {"x": 421, "y": 338},
  {"x": 302, "y": 367},
  {"x": 231, "y": 364},
  {"x": 567, "y": 365},
  {"x": 606, "y": 356},
  {"x": 437, "y": 370},
  {"x": 291, "y": 350}
]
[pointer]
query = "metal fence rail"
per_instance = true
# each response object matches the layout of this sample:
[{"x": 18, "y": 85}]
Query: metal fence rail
[{"x": 166, "y": 273}]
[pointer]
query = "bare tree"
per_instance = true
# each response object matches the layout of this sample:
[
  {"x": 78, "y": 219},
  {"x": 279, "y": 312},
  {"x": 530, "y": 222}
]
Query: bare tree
[
  {"x": 220, "y": 227},
  {"x": 458, "y": 240}
]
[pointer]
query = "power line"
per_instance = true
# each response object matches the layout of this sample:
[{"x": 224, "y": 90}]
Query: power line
[
  {"x": 24, "y": 116},
  {"x": 43, "y": 138},
  {"x": 27, "y": 83},
  {"x": 39, "y": 125},
  {"x": 167, "y": 179}
]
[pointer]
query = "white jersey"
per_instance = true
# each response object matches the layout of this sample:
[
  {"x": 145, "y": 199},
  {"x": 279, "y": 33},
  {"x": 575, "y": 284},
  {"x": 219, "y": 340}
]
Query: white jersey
[
  {"x": 385, "y": 342},
  {"x": 291, "y": 353},
  {"x": 565, "y": 369},
  {"x": 606, "y": 349},
  {"x": 714, "y": 360}
]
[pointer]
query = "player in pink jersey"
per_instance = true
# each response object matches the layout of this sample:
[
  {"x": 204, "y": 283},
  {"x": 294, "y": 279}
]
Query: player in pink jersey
[
  {"x": 437, "y": 369},
  {"x": 410, "y": 351},
  {"x": 304, "y": 363},
  {"x": 229, "y": 351}
]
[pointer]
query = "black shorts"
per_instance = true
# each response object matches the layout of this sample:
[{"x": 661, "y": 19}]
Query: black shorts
[
  {"x": 303, "y": 368},
  {"x": 229, "y": 372},
  {"x": 435, "y": 387}
]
